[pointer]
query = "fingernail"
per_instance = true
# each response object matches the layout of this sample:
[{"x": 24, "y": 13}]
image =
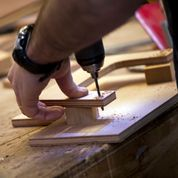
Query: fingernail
[{"x": 83, "y": 89}]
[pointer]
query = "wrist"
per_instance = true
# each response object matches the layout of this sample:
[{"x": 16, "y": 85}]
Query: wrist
[
  {"x": 20, "y": 56},
  {"x": 43, "y": 50},
  {"x": 41, "y": 54}
]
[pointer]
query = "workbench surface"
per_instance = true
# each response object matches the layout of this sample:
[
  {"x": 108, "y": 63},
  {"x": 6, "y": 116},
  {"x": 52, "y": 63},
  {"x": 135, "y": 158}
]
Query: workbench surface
[{"x": 150, "y": 152}]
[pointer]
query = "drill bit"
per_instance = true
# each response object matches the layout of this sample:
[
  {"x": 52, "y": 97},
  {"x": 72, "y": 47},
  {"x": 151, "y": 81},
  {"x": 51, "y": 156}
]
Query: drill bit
[{"x": 95, "y": 77}]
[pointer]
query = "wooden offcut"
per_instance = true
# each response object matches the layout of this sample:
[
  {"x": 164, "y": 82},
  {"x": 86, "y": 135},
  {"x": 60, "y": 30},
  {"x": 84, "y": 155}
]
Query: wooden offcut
[
  {"x": 159, "y": 73},
  {"x": 135, "y": 107},
  {"x": 24, "y": 121}
]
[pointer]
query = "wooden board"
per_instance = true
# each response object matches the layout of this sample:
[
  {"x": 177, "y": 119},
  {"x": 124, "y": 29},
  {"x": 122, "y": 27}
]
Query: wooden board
[
  {"x": 91, "y": 100},
  {"x": 13, "y": 10},
  {"x": 132, "y": 110}
]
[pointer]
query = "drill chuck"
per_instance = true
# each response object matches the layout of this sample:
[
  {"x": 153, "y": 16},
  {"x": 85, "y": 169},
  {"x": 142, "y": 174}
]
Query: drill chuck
[{"x": 91, "y": 58}]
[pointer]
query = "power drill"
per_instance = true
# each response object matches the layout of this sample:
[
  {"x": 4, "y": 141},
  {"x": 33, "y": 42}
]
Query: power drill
[{"x": 91, "y": 59}]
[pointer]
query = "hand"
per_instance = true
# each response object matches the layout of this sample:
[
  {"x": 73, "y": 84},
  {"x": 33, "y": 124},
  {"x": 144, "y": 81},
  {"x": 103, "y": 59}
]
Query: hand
[{"x": 27, "y": 89}]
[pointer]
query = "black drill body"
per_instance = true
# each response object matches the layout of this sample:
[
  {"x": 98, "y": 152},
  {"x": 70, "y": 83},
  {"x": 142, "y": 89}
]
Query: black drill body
[{"x": 91, "y": 59}]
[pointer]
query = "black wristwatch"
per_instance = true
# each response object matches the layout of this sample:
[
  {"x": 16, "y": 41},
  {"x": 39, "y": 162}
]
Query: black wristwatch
[{"x": 21, "y": 58}]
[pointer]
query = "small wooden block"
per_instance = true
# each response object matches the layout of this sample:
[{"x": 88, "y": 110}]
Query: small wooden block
[
  {"x": 23, "y": 121},
  {"x": 81, "y": 116},
  {"x": 159, "y": 73},
  {"x": 5, "y": 62},
  {"x": 91, "y": 100}
]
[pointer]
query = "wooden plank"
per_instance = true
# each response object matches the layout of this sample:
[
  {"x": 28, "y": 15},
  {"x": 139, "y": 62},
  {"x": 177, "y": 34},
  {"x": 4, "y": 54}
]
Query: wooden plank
[
  {"x": 133, "y": 109},
  {"x": 91, "y": 100}
]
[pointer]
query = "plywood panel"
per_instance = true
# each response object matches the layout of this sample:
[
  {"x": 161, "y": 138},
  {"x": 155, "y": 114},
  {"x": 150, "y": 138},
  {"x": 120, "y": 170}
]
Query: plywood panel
[
  {"x": 133, "y": 109},
  {"x": 91, "y": 100}
]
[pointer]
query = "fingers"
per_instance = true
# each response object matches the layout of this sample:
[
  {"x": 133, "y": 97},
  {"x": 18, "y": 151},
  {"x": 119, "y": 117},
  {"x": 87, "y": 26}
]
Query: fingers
[
  {"x": 27, "y": 89},
  {"x": 67, "y": 85}
]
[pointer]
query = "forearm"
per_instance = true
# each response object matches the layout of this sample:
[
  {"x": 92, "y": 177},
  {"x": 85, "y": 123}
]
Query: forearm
[{"x": 63, "y": 27}]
